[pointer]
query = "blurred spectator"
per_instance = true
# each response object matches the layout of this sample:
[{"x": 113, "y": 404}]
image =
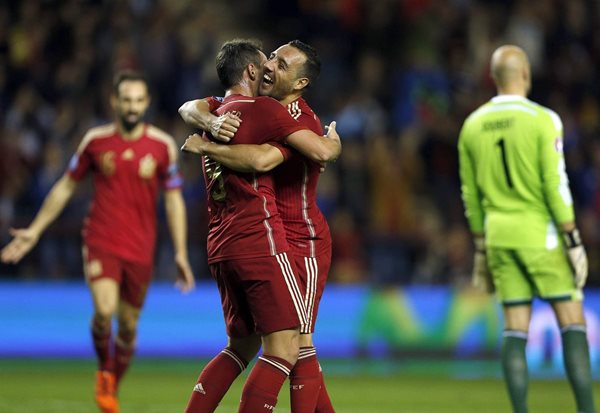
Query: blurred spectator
[{"x": 399, "y": 77}]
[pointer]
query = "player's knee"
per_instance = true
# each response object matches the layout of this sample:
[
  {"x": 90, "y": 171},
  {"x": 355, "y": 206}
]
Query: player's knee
[
  {"x": 101, "y": 324},
  {"x": 246, "y": 347},
  {"x": 127, "y": 327},
  {"x": 283, "y": 344},
  {"x": 306, "y": 340}
]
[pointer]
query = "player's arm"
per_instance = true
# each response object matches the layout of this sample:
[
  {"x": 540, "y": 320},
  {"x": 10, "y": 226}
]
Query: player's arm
[
  {"x": 24, "y": 239},
  {"x": 196, "y": 113},
  {"x": 315, "y": 147},
  {"x": 555, "y": 185},
  {"x": 241, "y": 158},
  {"x": 177, "y": 221},
  {"x": 471, "y": 195},
  {"x": 481, "y": 277}
]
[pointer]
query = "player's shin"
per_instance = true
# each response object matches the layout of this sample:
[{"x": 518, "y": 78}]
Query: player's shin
[
  {"x": 514, "y": 367},
  {"x": 305, "y": 381},
  {"x": 576, "y": 357},
  {"x": 214, "y": 381}
]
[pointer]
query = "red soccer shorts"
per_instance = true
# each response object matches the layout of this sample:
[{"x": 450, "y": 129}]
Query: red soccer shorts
[
  {"x": 259, "y": 295},
  {"x": 133, "y": 277},
  {"x": 312, "y": 276}
]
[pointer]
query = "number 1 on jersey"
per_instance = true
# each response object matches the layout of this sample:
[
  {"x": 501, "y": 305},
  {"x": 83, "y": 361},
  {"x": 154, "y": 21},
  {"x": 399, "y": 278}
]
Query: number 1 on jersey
[{"x": 502, "y": 146}]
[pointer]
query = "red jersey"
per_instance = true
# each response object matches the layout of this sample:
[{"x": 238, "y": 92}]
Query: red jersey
[
  {"x": 127, "y": 176},
  {"x": 296, "y": 191},
  {"x": 242, "y": 211}
]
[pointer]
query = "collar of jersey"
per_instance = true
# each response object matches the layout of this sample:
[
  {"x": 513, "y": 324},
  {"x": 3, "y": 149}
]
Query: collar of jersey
[{"x": 507, "y": 98}]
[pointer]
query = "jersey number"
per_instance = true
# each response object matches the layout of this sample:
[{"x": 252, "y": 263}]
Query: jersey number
[
  {"x": 502, "y": 146},
  {"x": 214, "y": 172}
]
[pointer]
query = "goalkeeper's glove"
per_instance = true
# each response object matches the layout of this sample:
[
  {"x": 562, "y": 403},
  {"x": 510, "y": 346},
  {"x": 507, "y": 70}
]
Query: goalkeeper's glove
[
  {"x": 577, "y": 256},
  {"x": 481, "y": 278}
]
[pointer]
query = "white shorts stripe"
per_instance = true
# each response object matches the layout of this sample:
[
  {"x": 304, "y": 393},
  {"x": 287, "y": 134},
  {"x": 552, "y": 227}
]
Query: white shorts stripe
[
  {"x": 275, "y": 364},
  {"x": 294, "y": 290},
  {"x": 312, "y": 275},
  {"x": 235, "y": 358}
]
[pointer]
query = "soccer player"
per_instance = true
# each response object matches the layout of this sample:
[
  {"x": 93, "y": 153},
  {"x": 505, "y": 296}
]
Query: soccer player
[
  {"x": 129, "y": 160},
  {"x": 519, "y": 208},
  {"x": 288, "y": 73},
  {"x": 247, "y": 243}
]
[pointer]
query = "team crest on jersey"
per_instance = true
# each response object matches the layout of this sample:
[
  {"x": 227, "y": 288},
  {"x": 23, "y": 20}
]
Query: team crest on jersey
[
  {"x": 147, "y": 167},
  {"x": 107, "y": 163},
  {"x": 558, "y": 145},
  {"x": 128, "y": 154}
]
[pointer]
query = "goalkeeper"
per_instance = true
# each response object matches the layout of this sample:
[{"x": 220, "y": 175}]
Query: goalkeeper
[{"x": 519, "y": 207}]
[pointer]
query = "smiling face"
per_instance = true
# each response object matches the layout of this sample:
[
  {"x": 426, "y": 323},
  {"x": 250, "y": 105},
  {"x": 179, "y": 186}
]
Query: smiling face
[
  {"x": 131, "y": 103},
  {"x": 283, "y": 73}
]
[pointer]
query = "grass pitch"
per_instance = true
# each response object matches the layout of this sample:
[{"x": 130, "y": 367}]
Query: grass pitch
[{"x": 164, "y": 386}]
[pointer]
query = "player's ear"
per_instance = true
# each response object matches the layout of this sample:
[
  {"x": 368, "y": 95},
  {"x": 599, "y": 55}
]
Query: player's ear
[
  {"x": 113, "y": 101},
  {"x": 302, "y": 83},
  {"x": 252, "y": 71}
]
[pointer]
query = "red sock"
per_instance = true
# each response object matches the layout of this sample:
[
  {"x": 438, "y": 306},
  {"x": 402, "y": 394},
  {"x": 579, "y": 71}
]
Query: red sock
[
  {"x": 324, "y": 403},
  {"x": 214, "y": 381},
  {"x": 305, "y": 381},
  {"x": 124, "y": 348},
  {"x": 263, "y": 384},
  {"x": 101, "y": 336}
]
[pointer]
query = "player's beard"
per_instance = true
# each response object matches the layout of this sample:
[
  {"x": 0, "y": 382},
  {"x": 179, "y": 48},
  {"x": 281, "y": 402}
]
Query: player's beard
[{"x": 127, "y": 123}]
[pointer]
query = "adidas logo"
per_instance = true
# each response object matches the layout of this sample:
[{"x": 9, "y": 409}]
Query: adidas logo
[
  {"x": 296, "y": 386},
  {"x": 269, "y": 407},
  {"x": 198, "y": 388}
]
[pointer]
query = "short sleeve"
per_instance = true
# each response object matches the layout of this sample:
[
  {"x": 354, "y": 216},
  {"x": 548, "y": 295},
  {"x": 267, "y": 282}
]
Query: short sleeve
[
  {"x": 214, "y": 102},
  {"x": 285, "y": 150},
  {"x": 280, "y": 122},
  {"x": 80, "y": 162},
  {"x": 172, "y": 177}
]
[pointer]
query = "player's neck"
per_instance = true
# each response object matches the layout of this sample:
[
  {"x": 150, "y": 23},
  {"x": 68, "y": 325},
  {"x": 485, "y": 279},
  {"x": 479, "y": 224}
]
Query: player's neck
[
  {"x": 512, "y": 90},
  {"x": 133, "y": 134},
  {"x": 243, "y": 88},
  {"x": 290, "y": 98}
]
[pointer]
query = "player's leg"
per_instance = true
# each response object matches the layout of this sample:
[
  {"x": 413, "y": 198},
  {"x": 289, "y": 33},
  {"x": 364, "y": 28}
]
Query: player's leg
[
  {"x": 134, "y": 286},
  {"x": 515, "y": 293},
  {"x": 553, "y": 279},
  {"x": 218, "y": 375},
  {"x": 125, "y": 341},
  {"x": 102, "y": 275},
  {"x": 280, "y": 352},
  {"x": 277, "y": 308},
  {"x": 576, "y": 352},
  {"x": 243, "y": 344},
  {"x": 307, "y": 387},
  {"x": 514, "y": 361}
]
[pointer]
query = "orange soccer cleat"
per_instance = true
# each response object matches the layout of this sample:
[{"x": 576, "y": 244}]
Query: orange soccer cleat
[{"x": 106, "y": 394}]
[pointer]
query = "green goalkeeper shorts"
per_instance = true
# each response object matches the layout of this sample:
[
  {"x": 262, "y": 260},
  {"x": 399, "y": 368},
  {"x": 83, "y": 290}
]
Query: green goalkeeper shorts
[{"x": 521, "y": 274}]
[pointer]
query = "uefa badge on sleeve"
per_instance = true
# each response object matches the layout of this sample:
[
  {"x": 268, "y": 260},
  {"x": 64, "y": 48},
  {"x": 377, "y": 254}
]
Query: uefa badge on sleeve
[{"x": 558, "y": 145}]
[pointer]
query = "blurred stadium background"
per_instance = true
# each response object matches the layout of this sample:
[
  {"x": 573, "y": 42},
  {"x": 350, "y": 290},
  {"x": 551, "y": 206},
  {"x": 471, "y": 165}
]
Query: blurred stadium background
[{"x": 399, "y": 76}]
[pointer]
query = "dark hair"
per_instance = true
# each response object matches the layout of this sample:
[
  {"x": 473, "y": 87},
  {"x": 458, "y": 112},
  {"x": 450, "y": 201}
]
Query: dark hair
[
  {"x": 233, "y": 58},
  {"x": 127, "y": 75},
  {"x": 312, "y": 66}
]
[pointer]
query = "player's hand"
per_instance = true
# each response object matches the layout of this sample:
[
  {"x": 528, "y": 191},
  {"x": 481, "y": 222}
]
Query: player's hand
[
  {"x": 224, "y": 127},
  {"x": 577, "y": 256},
  {"x": 185, "y": 277},
  {"x": 195, "y": 144},
  {"x": 23, "y": 241},
  {"x": 481, "y": 278},
  {"x": 333, "y": 135}
]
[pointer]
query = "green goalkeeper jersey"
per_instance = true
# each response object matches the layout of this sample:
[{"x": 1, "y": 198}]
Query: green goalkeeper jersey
[{"x": 512, "y": 170}]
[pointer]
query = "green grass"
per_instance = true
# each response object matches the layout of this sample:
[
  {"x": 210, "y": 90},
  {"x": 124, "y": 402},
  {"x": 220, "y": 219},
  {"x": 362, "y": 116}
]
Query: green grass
[{"x": 163, "y": 386}]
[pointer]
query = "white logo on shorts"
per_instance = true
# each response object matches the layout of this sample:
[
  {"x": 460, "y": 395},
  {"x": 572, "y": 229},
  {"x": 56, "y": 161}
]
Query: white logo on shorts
[{"x": 198, "y": 388}]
